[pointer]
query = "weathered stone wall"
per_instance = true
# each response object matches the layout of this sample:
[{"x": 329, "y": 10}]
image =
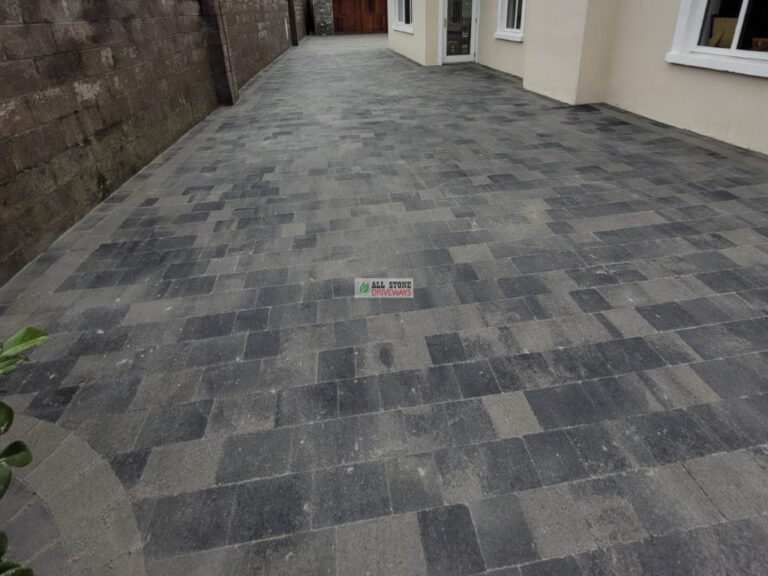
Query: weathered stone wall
[
  {"x": 323, "y": 10},
  {"x": 255, "y": 32},
  {"x": 91, "y": 91}
]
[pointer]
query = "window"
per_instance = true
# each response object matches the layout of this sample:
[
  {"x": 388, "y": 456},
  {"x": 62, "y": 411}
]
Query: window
[
  {"x": 510, "y": 25},
  {"x": 403, "y": 19},
  {"x": 730, "y": 35}
]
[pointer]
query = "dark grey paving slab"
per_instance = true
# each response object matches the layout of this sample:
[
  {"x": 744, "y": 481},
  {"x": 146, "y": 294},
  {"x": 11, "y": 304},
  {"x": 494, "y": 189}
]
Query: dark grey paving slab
[
  {"x": 449, "y": 541},
  {"x": 577, "y": 387}
]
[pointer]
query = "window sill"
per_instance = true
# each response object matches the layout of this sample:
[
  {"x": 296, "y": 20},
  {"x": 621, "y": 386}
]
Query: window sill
[
  {"x": 734, "y": 64},
  {"x": 404, "y": 28},
  {"x": 509, "y": 36}
]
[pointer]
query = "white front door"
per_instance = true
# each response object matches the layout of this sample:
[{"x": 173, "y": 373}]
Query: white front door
[{"x": 459, "y": 30}]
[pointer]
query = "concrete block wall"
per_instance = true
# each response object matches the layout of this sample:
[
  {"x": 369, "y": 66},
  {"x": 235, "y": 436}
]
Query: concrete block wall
[{"x": 92, "y": 91}]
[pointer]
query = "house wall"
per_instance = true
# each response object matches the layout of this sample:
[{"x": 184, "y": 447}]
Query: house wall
[
  {"x": 613, "y": 51},
  {"x": 729, "y": 107},
  {"x": 597, "y": 51},
  {"x": 416, "y": 45},
  {"x": 92, "y": 91},
  {"x": 431, "y": 30},
  {"x": 499, "y": 54},
  {"x": 553, "y": 35}
]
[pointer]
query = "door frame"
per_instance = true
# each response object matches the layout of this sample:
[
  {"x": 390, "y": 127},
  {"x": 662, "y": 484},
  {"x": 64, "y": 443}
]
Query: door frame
[{"x": 442, "y": 37}]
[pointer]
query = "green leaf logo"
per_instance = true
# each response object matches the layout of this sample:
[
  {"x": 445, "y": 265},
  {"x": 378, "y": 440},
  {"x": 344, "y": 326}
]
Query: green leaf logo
[{"x": 365, "y": 288}]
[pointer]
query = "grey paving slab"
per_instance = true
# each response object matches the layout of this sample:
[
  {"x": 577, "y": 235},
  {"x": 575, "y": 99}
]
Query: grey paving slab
[{"x": 577, "y": 387}]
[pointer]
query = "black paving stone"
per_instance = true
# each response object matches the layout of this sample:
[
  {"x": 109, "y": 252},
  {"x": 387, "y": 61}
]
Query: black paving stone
[
  {"x": 630, "y": 355},
  {"x": 562, "y": 406},
  {"x": 449, "y": 541},
  {"x": 445, "y": 348},
  {"x": 251, "y": 320},
  {"x": 358, "y": 396},
  {"x": 675, "y": 436},
  {"x": 523, "y": 372},
  {"x": 203, "y": 327},
  {"x": 336, "y": 364},
  {"x": 555, "y": 567},
  {"x": 590, "y": 300},
  {"x": 503, "y": 533},
  {"x": 469, "y": 422},
  {"x": 618, "y": 397},
  {"x": 519, "y": 286},
  {"x": 190, "y": 287},
  {"x": 731, "y": 377},
  {"x": 667, "y": 316},
  {"x": 555, "y": 457},
  {"x": 178, "y": 423},
  {"x": 476, "y": 379},
  {"x": 581, "y": 363},
  {"x": 271, "y": 507},
  {"x": 262, "y": 344},
  {"x": 349, "y": 493},
  {"x": 414, "y": 483},
  {"x": 128, "y": 466},
  {"x": 257, "y": 455},
  {"x": 307, "y": 404},
  {"x": 176, "y": 525}
]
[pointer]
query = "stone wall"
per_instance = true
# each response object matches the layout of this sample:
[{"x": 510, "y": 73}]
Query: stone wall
[
  {"x": 92, "y": 91},
  {"x": 323, "y": 11},
  {"x": 255, "y": 32}
]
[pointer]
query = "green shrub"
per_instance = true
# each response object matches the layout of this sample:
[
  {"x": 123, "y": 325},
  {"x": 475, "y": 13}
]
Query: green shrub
[{"x": 16, "y": 454}]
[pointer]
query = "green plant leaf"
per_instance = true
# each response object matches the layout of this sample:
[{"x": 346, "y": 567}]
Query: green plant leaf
[
  {"x": 6, "y": 417},
  {"x": 24, "y": 339},
  {"x": 5, "y": 480},
  {"x": 11, "y": 569},
  {"x": 16, "y": 455},
  {"x": 3, "y": 544},
  {"x": 9, "y": 365}
]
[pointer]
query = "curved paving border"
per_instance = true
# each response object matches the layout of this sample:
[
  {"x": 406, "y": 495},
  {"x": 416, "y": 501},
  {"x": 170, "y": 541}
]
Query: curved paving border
[
  {"x": 86, "y": 502},
  {"x": 33, "y": 537}
]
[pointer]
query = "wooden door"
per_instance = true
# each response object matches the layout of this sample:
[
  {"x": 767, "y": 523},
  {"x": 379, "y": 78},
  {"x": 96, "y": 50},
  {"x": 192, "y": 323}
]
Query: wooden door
[
  {"x": 359, "y": 16},
  {"x": 374, "y": 16}
]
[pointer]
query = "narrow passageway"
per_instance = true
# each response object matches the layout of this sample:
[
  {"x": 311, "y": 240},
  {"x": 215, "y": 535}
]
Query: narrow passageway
[{"x": 577, "y": 387}]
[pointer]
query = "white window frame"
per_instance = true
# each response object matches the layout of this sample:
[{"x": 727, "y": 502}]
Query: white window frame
[
  {"x": 504, "y": 33},
  {"x": 686, "y": 51},
  {"x": 399, "y": 20}
]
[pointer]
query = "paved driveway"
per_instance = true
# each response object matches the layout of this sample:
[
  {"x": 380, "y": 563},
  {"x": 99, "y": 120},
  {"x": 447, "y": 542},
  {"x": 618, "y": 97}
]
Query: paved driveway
[{"x": 578, "y": 386}]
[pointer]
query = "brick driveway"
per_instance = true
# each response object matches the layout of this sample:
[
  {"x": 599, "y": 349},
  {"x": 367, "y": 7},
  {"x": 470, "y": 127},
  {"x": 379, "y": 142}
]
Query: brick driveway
[{"x": 578, "y": 386}]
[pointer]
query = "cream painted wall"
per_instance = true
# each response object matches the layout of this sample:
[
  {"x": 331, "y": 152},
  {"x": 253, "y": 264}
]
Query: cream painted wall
[
  {"x": 432, "y": 18},
  {"x": 501, "y": 55},
  {"x": 554, "y": 32},
  {"x": 420, "y": 46},
  {"x": 729, "y": 107},
  {"x": 597, "y": 51},
  {"x": 410, "y": 45}
]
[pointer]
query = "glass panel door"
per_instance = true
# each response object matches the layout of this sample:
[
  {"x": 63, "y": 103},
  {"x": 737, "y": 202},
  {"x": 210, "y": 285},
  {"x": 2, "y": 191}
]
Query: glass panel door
[{"x": 458, "y": 29}]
